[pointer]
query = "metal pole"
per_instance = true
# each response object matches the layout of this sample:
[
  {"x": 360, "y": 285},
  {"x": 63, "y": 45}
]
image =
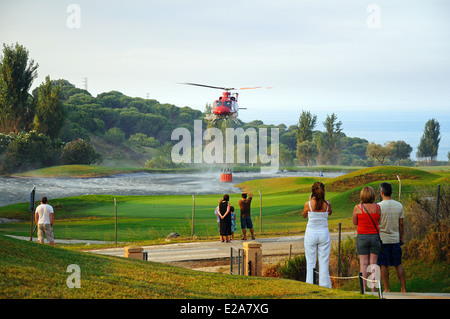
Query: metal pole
[
  {"x": 260, "y": 211},
  {"x": 243, "y": 262},
  {"x": 339, "y": 251},
  {"x": 437, "y": 205},
  {"x": 256, "y": 264},
  {"x": 32, "y": 199},
  {"x": 239, "y": 261},
  {"x": 399, "y": 187},
  {"x": 193, "y": 213},
  {"x": 361, "y": 283},
  {"x": 231, "y": 260},
  {"x": 115, "y": 223}
]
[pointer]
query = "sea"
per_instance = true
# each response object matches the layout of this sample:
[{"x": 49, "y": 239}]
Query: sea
[{"x": 381, "y": 127}]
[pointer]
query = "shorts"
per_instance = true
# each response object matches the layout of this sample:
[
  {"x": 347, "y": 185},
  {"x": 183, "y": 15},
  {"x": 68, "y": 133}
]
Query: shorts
[
  {"x": 391, "y": 255},
  {"x": 368, "y": 243},
  {"x": 246, "y": 222},
  {"x": 48, "y": 230}
]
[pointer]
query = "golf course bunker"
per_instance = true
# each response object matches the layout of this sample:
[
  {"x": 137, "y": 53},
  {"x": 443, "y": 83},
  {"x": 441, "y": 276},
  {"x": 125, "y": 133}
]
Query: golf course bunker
[{"x": 17, "y": 190}]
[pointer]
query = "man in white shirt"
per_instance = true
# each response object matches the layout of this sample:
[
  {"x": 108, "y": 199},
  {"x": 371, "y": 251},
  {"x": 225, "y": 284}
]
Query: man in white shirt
[
  {"x": 44, "y": 221},
  {"x": 391, "y": 233}
]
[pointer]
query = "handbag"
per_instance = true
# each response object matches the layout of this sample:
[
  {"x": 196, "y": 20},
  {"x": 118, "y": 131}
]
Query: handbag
[{"x": 376, "y": 228}]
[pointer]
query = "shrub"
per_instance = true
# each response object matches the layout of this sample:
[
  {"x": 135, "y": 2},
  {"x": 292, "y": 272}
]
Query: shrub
[
  {"x": 143, "y": 140},
  {"x": 80, "y": 152},
  {"x": 425, "y": 236},
  {"x": 28, "y": 150},
  {"x": 434, "y": 247},
  {"x": 349, "y": 259},
  {"x": 294, "y": 268},
  {"x": 114, "y": 135}
]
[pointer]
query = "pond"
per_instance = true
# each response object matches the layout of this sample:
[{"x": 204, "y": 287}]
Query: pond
[{"x": 17, "y": 190}]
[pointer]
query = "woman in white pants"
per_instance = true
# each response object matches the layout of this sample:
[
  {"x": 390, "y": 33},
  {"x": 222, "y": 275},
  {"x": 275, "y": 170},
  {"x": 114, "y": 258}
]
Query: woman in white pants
[{"x": 317, "y": 236}]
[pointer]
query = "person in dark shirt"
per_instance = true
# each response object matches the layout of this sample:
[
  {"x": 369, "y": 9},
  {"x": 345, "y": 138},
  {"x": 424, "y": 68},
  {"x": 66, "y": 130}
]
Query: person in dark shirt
[
  {"x": 225, "y": 218},
  {"x": 246, "y": 220}
]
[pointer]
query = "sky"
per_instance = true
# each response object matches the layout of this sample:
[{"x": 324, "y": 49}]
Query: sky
[{"x": 377, "y": 64}]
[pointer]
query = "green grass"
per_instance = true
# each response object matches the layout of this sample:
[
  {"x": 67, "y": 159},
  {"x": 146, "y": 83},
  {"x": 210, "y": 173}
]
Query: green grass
[
  {"x": 31, "y": 270},
  {"x": 149, "y": 218}
]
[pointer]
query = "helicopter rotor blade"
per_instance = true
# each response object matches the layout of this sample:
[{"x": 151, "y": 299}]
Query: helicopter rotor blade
[
  {"x": 256, "y": 87},
  {"x": 227, "y": 89},
  {"x": 210, "y": 86}
]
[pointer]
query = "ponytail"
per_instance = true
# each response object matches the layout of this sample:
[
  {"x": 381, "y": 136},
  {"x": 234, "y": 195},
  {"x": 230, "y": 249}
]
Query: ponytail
[{"x": 318, "y": 192}]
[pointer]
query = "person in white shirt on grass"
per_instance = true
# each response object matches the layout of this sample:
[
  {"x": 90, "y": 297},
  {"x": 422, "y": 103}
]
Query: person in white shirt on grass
[{"x": 44, "y": 221}]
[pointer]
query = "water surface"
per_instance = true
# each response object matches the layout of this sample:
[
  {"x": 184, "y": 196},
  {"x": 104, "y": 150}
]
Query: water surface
[{"x": 17, "y": 190}]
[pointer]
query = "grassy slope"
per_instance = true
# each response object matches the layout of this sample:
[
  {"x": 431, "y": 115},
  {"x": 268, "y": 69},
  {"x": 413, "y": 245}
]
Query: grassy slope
[{"x": 31, "y": 270}]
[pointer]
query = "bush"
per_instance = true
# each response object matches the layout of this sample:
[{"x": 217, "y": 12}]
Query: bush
[
  {"x": 114, "y": 135},
  {"x": 349, "y": 265},
  {"x": 420, "y": 211},
  {"x": 142, "y": 140},
  {"x": 30, "y": 150},
  {"x": 80, "y": 152},
  {"x": 425, "y": 236},
  {"x": 434, "y": 247},
  {"x": 294, "y": 269}
]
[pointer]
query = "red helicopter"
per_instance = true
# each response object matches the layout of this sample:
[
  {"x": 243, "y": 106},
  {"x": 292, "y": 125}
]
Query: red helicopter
[{"x": 226, "y": 107}]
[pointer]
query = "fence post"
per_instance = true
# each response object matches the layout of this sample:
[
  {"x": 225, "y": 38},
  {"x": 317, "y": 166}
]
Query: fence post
[
  {"x": 239, "y": 262},
  {"x": 193, "y": 214},
  {"x": 260, "y": 211},
  {"x": 437, "y": 206},
  {"x": 231, "y": 261},
  {"x": 32, "y": 200},
  {"x": 339, "y": 251},
  {"x": 361, "y": 283},
  {"x": 115, "y": 208},
  {"x": 399, "y": 188}
]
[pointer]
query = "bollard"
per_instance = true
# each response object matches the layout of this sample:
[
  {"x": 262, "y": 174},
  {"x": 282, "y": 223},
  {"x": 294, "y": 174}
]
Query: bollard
[
  {"x": 253, "y": 259},
  {"x": 134, "y": 252}
]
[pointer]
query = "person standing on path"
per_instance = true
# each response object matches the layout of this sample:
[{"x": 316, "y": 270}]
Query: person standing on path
[
  {"x": 391, "y": 232},
  {"x": 44, "y": 220},
  {"x": 317, "y": 235},
  {"x": 367, "y": 240},
  {"x": 246, "y": 219},
  {"x": 225, "y": 218}
]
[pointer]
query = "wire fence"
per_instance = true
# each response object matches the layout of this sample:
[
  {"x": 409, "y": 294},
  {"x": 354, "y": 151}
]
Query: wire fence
[{"x": 236, "y": 261}]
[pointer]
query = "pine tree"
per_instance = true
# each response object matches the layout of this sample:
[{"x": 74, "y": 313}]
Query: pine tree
[{"x": 429, "y": 142}]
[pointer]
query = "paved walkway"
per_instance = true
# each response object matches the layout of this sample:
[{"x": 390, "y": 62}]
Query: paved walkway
[{"x": 215, "y": 249}]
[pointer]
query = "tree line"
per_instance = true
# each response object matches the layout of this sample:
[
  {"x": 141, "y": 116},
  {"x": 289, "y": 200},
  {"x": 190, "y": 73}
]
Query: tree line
[{"x": 51, "y": 125}]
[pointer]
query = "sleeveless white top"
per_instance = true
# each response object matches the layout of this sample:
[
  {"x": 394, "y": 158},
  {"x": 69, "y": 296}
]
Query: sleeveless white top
[{"x": 317, "y": 220}]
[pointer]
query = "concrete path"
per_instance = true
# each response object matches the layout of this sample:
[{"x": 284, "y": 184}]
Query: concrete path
[
  {"x": 208, "y": 250},
  {"x": 215, "y": 249}
]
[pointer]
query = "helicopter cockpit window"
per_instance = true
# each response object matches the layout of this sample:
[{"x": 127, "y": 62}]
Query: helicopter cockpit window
[
  {"x": 217, "y": 103},
  {"x": 227, "y": 103}
]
